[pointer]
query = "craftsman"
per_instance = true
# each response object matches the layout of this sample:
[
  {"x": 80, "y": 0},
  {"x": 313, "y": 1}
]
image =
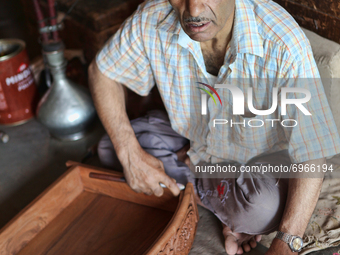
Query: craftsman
[{"x": 173, "y": 44}]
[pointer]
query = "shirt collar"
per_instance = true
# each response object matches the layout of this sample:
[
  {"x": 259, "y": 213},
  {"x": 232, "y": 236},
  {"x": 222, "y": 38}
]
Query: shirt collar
[
  {"x": 245, "y": 37},
  {"x": 184, "y": 39},
  {"x": 170, "y": 24}
]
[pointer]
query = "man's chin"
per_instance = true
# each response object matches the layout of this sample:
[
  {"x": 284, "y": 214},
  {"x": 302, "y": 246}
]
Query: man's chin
[{"x": 200, "y": 37}]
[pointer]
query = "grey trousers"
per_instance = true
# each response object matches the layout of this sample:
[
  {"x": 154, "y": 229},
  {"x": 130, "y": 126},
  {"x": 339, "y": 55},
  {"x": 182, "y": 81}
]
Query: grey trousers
[
  {"x": 246, "y": 203},
  {"x": 156, "y": 137},
  {"x": 249, "y": 203}
]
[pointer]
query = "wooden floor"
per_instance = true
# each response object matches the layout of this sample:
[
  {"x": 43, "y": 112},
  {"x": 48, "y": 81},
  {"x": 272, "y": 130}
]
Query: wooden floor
[{"x": 97, "y": 224}]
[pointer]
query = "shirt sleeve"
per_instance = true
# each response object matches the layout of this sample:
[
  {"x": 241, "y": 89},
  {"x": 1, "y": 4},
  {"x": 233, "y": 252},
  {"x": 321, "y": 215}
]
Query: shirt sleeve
[
  {"x": 124, "y": 60},
  {"x": 314, "y": 136}
]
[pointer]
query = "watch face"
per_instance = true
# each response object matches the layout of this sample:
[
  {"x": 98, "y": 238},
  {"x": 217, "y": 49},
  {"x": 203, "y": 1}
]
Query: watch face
[{"x": 296, "y": 243}]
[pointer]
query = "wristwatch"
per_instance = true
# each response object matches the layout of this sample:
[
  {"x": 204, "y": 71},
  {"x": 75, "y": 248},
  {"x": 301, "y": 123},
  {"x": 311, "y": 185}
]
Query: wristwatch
[{"x": 295, "y": 243}]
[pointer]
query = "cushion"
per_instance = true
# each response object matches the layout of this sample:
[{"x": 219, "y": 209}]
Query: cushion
[{"x": 327, "y": 57}]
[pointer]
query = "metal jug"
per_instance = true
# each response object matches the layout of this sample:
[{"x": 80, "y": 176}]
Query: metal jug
[{"x": 67, "y": 108}]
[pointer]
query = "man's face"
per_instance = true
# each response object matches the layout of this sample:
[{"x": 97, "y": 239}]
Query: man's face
[{"x": 203, "y": 20}]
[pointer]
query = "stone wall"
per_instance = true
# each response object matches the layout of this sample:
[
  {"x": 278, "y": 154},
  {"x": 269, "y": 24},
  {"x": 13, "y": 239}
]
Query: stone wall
[{"x": 320, "y": 16}]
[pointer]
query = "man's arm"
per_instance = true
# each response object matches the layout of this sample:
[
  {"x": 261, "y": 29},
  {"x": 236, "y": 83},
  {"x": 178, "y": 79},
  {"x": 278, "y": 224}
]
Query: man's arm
[
  {"x": 143, "y": 172},
  {"x": 303, "y": 194}
]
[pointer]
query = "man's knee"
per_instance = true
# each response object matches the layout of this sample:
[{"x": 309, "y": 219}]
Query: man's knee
[{"x": 263, "y": 202}]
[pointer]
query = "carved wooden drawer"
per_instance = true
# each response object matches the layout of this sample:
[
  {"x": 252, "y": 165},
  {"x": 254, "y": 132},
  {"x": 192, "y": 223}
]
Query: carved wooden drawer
[{"x": 82, "y": 215}]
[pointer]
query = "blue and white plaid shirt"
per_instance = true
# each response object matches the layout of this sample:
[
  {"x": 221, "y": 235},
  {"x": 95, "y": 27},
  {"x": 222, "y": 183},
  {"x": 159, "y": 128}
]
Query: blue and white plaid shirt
[{"x": 267, "y": 44}]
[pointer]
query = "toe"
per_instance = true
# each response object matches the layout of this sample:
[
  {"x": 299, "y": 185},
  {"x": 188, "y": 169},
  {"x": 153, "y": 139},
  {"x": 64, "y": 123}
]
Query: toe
[
  {"x": 252, "y": 243},
  {"x": 240, "y": 250},
  {"x": 246, "y": 247},
  {"x": 258, "y": 238},
  {"x": 231, "y": 245}
]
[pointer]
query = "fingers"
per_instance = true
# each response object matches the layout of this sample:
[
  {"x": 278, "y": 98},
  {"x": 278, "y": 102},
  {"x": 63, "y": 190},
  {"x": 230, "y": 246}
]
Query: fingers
[
  {"x": 157, "y": 187},
  {"x": 138, "y": 189},
  {"x": 158, "y": 191},
  {"x": 149, "y": 192},
  {"x": 154, "y": 186},
  {"x": 145, "y": 173},
  {"x": 170, "y": 184}
]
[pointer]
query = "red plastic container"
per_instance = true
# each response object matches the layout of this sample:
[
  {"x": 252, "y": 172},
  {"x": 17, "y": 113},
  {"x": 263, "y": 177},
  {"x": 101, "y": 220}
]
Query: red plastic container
[{"x": 18, "y": 92}]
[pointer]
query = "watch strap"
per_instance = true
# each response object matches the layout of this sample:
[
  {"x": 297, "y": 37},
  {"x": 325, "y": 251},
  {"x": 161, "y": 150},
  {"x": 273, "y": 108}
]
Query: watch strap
[
  {"x": 283, "y": 236},
  {"x": 287, "y": 238}
]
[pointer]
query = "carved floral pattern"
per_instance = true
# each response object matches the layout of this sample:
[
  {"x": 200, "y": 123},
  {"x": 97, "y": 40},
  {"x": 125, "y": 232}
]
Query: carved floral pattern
[{"x": 181, "y": 242}]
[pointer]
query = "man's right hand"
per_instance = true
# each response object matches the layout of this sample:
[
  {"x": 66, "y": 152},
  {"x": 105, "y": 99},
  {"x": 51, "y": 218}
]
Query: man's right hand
[{"x": 144, "y": 173}]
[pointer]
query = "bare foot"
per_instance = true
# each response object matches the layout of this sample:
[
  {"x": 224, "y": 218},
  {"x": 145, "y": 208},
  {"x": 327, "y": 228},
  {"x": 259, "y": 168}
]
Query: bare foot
[{"x": 237, "y": 243}]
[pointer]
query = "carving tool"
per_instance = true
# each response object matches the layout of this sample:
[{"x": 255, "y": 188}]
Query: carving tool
[{"x": 109, "y": 177}]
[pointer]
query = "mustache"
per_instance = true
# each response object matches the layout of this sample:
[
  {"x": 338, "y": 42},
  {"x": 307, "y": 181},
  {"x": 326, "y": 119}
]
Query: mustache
[{"x": 196, "y": 19}]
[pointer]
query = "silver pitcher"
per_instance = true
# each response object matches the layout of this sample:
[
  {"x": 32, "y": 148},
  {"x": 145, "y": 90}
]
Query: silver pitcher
[{"x": 67, "y": 108}]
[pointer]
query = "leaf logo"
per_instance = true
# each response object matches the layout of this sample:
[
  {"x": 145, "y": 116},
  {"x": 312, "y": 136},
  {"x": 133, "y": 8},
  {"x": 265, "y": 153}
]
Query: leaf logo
[{"x": 211, "y": 88}]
